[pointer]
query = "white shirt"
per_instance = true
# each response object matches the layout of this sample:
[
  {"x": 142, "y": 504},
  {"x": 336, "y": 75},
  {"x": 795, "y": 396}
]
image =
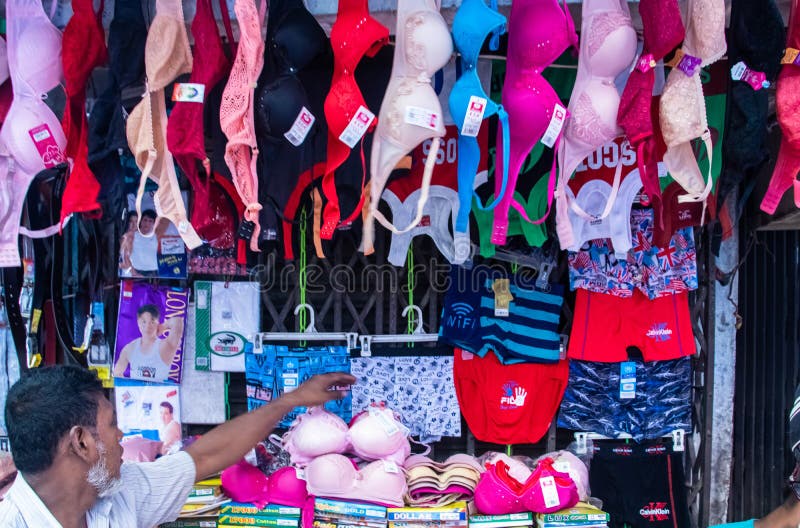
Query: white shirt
[
  {"x": 144, "y": 253},
  {"x": 152, "y": 493}
]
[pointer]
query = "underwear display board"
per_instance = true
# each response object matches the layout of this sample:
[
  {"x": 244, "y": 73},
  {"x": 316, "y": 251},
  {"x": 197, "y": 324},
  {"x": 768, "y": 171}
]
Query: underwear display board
[
  {"x": 139, "y": 408},
  {"x": 227, "y": 317}
]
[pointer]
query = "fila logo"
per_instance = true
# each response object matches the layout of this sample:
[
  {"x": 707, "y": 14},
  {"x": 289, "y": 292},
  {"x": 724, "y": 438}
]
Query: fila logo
[
  {"x": 684, "y": 214},
  {"x": 655, "y": 511},
  {"x": 513, "y": 396}
]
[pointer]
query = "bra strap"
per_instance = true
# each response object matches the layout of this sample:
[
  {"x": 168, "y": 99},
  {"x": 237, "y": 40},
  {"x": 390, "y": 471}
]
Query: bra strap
[
  {"x": 551, "y": 189},
  {"x": 226, "y": 21},
  {"x": 427, "y": 175},
  {"x": 503, "y": 115},
  {"x": 577, "y": 209},
  {"x": 494, "y": 43}
]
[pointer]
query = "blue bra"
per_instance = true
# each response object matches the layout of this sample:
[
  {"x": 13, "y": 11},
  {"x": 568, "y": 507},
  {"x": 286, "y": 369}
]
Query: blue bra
[{"x": 473, "y": 22}]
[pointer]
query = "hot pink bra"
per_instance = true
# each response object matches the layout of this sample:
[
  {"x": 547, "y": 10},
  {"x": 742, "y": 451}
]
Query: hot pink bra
[
  {"x": 498, "y": 493},
  {"x": 539, "y": 31},
  {"x": 246, "y": 483},
  {"x": 374, "y": 434},
  {"x": 337, "y": 476}
]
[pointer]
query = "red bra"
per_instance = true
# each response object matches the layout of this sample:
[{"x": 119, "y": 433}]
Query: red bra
[
  {"x": 354, "y": 34},
  {"x": 185, "y": 137},
  {"x": 83, "y": 49}
]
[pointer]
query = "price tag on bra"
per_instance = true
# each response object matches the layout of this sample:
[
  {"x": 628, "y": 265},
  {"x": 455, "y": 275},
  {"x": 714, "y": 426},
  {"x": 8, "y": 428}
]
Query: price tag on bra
[
  {"x": 390, "y": 466},
  {"x": 555, "y": 126},
  {"x": 357, "y": 127},
  {"x": 386, "y": 419},
  {"x": 302, "y": 125},
  {"x": 422, "y": 117},
  {"x": 474, "y": 116},
  {"x": 46, "y": 145},
  {"x": 189, "y": 92},
  {"x": 549, "y": 492}
]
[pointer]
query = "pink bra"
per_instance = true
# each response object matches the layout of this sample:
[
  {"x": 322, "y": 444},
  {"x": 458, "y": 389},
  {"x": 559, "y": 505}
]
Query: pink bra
[
  {"x": 373, "y": 434},
  {"x": 608, "y": 46},
  {"x": 236, "y": 113},
  {"x": 498, "y": 493},
  {"x": 31, "y": 138},
  {"x": 336, "y": 476},
  {"x": 539, "y": 31}
]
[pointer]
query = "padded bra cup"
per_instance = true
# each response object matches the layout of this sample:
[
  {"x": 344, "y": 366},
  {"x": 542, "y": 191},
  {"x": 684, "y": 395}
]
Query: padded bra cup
[
  {"x": 294, "y": 40},
  {"x": 334, "y": 475},
  {"x": 39, "y": 71},
  {"x": 320, "y": 432},
  {"x": 25, "y": 115}
]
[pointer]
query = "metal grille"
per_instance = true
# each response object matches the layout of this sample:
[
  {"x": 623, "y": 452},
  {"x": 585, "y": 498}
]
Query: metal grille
[{"x": 767, "y": 366}]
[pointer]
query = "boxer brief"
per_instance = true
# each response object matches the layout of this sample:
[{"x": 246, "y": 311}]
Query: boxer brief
[
  {"x": 460, "y": 315},
  {"x": 661, "y": 403},
  {"x": 529, "y": 333},
  {"x": 606, "y": 325},
  {"x": 418, "y": 387},
  {"x": 508, "y": 404},
  {"x": 641, "y": 485}
]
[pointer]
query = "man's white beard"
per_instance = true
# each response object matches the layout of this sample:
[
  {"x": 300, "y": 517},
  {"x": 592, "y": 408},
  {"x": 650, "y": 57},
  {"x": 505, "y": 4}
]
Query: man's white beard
[{"x": 100, "y": 477}]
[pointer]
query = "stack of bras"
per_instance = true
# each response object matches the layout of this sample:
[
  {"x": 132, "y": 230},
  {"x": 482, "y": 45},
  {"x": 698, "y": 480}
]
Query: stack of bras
[
  {"x": 318, "y": 440},
  {"x": 432, "y": 484}
]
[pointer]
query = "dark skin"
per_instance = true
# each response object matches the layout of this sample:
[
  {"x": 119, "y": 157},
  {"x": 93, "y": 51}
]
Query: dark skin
[
  {"x": 63, "y": 487},
  {"x": 786, "y": 515}
]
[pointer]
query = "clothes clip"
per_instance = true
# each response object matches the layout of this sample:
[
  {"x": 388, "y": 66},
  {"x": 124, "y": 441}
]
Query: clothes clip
[
  {"x": 678, "y": 444},
  {"x": 257, "y": 344},
  {"x": 581, "y": 439},
  {"x": 756, "y": 80},
  {"x": 646, "y": 63}
]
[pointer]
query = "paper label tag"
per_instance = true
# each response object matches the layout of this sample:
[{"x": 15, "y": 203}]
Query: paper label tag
[
  {"x": 549, "y": 492},
  {"x": 555, "y": 126},
  {"x": 791, "y": 56},
  {"x": 738, "y": 70},
  {"x": 561, "y": 466},
  {"x": 474, "y": 116},
  {"x": 627, "y": 380},
  {"x": 357, "y": 127},
  {"x": 387, "y": 422},
  {"x": 390, "y": 466},
  {"x": 422, "y": 117},
  {"x": 302, "y": 125},
  {"x": 502, "y": 297},
  {"x": 189, "y": 92},
  {"x": 46, "y": 145}
]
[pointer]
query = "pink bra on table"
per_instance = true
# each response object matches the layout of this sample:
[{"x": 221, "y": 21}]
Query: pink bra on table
[
  {"x": 336, "y": 476},
  {"x": 608, "y": 46},
  {"x": 498, "y": 493},
  {"x": 243, "y": 482},
  {"x": 374, "y": 434}
]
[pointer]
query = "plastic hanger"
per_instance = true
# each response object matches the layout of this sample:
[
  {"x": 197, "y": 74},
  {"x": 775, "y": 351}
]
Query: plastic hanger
[
  {"x": 310, "y": 334},
  {"x": 417, "y": 336}
]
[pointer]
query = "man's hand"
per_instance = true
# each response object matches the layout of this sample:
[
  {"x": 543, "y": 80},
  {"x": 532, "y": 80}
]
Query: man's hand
[{"x": 319, "y": 389}]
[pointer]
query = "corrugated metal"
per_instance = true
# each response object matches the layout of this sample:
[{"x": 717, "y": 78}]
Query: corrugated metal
[{"x": 768, "y": 359}]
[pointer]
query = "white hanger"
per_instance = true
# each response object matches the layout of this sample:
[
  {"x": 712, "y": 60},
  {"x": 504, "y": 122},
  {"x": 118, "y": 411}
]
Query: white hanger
[
  {"x": 417, "y": 336},
  {"x": 310, "y": 334},
  {"x": 677, "y": 436}
]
